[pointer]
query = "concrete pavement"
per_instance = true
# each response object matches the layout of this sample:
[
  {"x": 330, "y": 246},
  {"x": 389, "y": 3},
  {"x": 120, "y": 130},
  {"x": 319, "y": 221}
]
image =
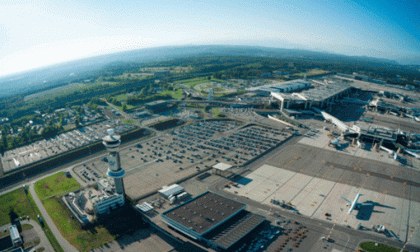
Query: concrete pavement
[
  {"x": 63, "y": 242},
  {"x": 44, "y": 242}
]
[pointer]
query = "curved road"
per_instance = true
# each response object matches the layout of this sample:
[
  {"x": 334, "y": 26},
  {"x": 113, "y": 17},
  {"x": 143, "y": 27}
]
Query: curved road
[{"x": 63, "y": 242}]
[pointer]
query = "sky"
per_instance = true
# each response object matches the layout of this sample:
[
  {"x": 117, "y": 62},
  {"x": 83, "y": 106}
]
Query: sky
[{"x": 36, "y": 33}]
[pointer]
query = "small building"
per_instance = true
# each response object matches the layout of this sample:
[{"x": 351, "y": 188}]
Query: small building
[
  {"x": 172, "y": 190},
  {"x": 222, "y": 168},
  {"x": 15, "y": 236}
]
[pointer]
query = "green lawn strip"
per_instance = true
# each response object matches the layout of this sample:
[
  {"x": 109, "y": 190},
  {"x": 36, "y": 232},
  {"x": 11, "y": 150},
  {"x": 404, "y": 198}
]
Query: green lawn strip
[
  {"x": 121, "y": 97},
  {"x": 84, "y": 240},
  {"x": 50, "y": 236},
  {"x": 55, "y": 184},
  {"x": 370, "y": 247},
  {"x": 194, "y": 81},
  {"x": 175, "y": 94},
  {"x": 215, "y": 112},
  {"x": 3, "y": 234},
  {"x": 128, "y": 107},
  {"x": 129, "y": 121},
  {"x": 26, "y": 226}
]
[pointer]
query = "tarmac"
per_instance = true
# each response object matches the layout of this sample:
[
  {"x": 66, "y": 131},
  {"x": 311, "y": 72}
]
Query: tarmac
[{"x": 315, "y": 197}]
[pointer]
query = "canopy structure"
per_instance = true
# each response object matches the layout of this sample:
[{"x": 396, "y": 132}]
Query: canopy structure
[{"x": 221, "y": 168}]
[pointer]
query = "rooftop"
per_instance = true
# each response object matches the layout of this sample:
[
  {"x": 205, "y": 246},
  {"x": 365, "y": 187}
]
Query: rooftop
[
  {"x": 320, "y": 93},
  {"x": 222, "y": 166},
  {"x": 280, "y": 85},
  {"x": 230, "y": 232},
  {"x": 204, "y": 212},
  {"x": 159, "y": 102}
]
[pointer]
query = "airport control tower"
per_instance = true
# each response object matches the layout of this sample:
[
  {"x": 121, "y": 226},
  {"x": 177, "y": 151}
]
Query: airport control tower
[{"x": 112, "y": 143}]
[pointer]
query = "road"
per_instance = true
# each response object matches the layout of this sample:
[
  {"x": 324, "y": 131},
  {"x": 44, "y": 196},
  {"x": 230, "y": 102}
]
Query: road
[{"x": 63, "y": 242}]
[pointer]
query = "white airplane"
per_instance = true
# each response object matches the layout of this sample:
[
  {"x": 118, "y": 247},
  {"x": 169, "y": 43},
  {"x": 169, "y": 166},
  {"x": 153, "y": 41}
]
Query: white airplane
[{"x": 353, "y": 205}]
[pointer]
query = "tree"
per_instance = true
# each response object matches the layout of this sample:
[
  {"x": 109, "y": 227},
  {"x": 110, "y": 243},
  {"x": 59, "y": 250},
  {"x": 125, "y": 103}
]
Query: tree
[
  {"x": 77, "y": 122},
  {"x": 209, "y": 78},
  {"x": 143, "y": 92},
  {"x": 124, "y": 107}
]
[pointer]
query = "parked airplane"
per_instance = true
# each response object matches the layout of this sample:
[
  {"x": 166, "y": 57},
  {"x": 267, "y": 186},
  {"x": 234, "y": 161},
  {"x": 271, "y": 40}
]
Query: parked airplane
[{"x": 353, "y": 205}]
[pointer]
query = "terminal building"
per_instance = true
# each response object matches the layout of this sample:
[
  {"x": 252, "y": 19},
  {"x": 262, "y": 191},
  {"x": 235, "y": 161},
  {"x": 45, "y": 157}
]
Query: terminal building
[
  {"x": 281, "y": 87},
  {"x": 214, "y": 220},
  {"x": 319, "y": 97}
]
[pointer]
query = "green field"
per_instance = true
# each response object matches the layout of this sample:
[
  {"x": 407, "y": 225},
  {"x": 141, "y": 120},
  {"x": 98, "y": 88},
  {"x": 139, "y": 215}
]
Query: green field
[
  {"x": 129, "y": 121},
  {"x": 121, "y": 97},
  {"x": 370, "y": 247},
  {"x": 175, "y": 94},
  {"x": 16, "y": 204},
  {"x": 192, "y": 82},
  {"x": 55, "y": 184},
  {"x": 312, "y": 72},
  {"x": 84, "y": 240}
]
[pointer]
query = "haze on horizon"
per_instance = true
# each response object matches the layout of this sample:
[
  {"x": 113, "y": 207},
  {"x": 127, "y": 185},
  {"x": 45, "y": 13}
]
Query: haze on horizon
[{"x": 36, "y": 33}]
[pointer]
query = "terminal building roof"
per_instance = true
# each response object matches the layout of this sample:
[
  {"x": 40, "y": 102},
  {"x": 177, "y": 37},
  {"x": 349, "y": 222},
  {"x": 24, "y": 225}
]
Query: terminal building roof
[
  {"x": 320, "y": 93},
  {"x": 281, "y": 86},
  {"x": 204, "y": 212}
]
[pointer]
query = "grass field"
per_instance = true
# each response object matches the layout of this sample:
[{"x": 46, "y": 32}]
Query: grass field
[
  {"x": 16, "y": 204},
  {"x": 312, "y": 72},
  {"x": 121, "y": 97},
  {"x": 55, "y": 184},
  {"x": 175, "y": 94},
  {"x": 192, "y": 82},
  {"x": 129, "y": 121},
  {"x": 84, "y": 240},
  {"x": 98, "y": 235},
  {"x": 370, "y": 247}
]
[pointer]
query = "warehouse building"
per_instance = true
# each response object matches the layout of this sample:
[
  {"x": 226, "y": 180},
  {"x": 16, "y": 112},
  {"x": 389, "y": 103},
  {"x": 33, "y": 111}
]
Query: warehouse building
[
  {"x": 318, "y": 97},
  {"x": 281, "y": 87},
  {"x": 211, "y": 219}
]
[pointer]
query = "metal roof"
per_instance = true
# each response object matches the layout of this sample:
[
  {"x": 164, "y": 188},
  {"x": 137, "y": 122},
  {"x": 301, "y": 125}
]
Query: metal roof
[
  {"x": 204, "y": 212},
  {"x": 222, "y": 166},
  {"x": 145, "y": 207},
  {"x": 171, "y": 190},
  {"x": 233, "y": 230}
]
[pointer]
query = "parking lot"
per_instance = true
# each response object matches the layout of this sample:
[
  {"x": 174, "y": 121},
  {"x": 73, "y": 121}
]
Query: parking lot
[
  {"x": 16, "y": 158},
  {"x": 185, "y": 151}
]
